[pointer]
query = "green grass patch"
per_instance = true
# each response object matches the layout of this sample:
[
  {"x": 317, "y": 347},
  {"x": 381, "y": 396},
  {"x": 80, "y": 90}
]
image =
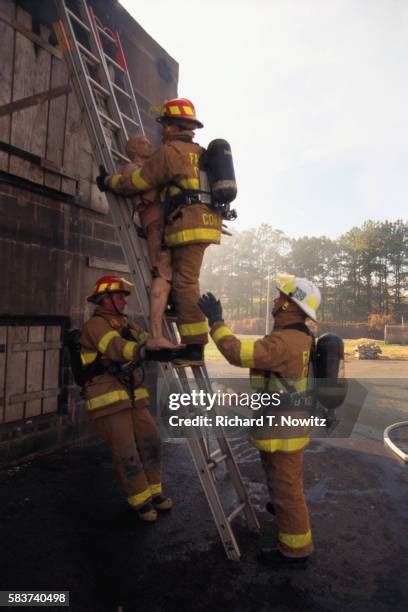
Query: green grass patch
[{"x": 388, "y": 351}]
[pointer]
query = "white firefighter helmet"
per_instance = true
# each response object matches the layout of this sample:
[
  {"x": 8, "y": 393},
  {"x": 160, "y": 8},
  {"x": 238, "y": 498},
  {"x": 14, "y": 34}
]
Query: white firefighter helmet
[{"x": 301, "y": 291}]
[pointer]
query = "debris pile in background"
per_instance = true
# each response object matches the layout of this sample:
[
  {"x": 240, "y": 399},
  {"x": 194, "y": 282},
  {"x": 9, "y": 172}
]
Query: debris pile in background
[{"x": 368, "y": 350}]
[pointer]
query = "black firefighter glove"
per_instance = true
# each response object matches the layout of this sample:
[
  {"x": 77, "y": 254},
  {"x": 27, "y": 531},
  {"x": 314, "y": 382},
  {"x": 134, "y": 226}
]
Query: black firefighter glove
[
  {"x": 146, "y": 354},
  {"x": 161, "y": 355},
  {"x": 101, "y": 179},
  {"x": 211, "y": 307}
]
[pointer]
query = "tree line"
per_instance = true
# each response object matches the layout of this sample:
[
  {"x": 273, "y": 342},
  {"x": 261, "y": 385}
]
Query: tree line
[{"x": 363, "y": 272}]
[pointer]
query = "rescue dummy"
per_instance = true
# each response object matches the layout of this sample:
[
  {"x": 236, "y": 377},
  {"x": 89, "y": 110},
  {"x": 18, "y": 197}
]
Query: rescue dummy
[
  {"x": 279, "y": 357},
  {"x": 150, "y": 210}
]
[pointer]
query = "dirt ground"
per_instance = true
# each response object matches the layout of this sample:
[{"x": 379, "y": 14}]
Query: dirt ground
[{"x": 64, "y": 525}]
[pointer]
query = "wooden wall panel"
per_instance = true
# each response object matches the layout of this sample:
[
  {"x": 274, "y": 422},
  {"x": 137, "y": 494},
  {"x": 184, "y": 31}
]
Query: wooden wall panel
[
  {"x": 56, "y": 122},
  {"x": 51, "y": 369},
  {"x": 7, "y": 9},
  {"x": 3, "y": 342},
  {"x": 35, "y": 368},
  {"x": 28, "y": 127},
  {"x": 72, "y": 142},
  {"x": 16, "y": 373}
]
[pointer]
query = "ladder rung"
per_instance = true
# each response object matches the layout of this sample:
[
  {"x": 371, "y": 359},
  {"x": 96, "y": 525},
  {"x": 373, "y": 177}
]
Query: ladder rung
[
  {"x": 112, "y": 61},
  {"x": 120, "y": 155},
  {"x": 122, "y": 91},
  {"x": 88, "y": 55},
  {"x": 108, "y": 36},
  {"x": 98, "y": 86},
  {"x": 78, "y": 20},
  {"x": 212, "y": 463},
  {"x": 130, "y": 119},
  {"x": 235, "y": 512},
  {"x": 109, "y": 120}
]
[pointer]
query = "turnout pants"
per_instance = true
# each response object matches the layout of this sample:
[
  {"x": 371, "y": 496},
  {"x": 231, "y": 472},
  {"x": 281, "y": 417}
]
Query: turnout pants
[
  {"x": 192, "y": 324},
  {"x": 133, "y": 438},
  {"x": 284, "y": 477}
]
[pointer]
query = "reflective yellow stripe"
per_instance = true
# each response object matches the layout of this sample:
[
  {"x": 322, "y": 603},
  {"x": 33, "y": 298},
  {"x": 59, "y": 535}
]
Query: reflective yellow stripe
[
  {"x": 281, "y": 444},
  {"x": 257, "y": 380},
  {"x": 87, "y": 358},
  {"x": 193, "y": 329},
  {"x": 220, "y": 333},
  {"x": 188, "y": 110},
  {"x": 174, "y": 110},
  {"x": 141, "y": 393},
  {"x": 156, "y": 489},
  {"x": 275, "y": 384},
  {"x": 114, "y": 180},
  {"x": 174, "y": 190},
  {"x": 106, "y": 398},
  {"x": 295, "y": 540},
  {"x": 129, "y": 350},
  {"x": 140, "y": 498},
  {"x": 143, "y": 336},
  {"x": 114, "y": 396},
  {"x": 106, "y": 338},
  {"x": 299, "y": 385},
  {"x": 138, "y": 181},
  {"x": 112, "y": 287},
  {"x": 246, "y": 353},
  {"x": 190, "y": 183},
  {"x": 193, "y": 235}
]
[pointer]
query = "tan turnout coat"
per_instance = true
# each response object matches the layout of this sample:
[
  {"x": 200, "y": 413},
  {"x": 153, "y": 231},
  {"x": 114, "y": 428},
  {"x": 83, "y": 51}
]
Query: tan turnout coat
[
  {"x": 172, "y": 168},
  {"x": 101, "y": 334}
]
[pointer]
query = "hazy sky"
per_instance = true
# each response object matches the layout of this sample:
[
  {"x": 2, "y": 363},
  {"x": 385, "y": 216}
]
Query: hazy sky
[{"x": 312, "y": 96}]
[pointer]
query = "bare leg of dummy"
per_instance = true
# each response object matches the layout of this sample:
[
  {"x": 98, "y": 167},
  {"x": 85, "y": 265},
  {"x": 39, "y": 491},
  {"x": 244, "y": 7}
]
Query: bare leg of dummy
[{"x": 159, "y": 293}]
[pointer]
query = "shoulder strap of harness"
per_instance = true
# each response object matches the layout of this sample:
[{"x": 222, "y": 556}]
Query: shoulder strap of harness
[{"x": 302, "y": 327}]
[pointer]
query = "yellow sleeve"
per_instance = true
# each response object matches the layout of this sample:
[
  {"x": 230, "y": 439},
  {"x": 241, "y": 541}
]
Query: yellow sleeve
[
  {"x": 99, "y": 336},
  {"x": 155, "y": 172},
  {"x": 268, "y": 353}
]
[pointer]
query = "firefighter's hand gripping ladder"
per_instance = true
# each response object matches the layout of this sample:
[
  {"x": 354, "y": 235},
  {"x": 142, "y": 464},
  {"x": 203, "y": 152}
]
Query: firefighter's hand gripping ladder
[{"x": 103, "y": 87}]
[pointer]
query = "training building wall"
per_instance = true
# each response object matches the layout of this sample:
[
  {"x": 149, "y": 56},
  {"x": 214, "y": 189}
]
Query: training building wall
[{"x": 56, "y": 234}]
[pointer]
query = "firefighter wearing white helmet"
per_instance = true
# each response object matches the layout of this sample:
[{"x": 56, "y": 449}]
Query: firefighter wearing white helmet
[
  {"x": 301, "y": 291},
  {"x": 278, "y": 363}
]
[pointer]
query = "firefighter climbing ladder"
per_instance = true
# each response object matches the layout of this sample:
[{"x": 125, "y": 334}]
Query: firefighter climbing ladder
[{"x": 102, "y": 84}]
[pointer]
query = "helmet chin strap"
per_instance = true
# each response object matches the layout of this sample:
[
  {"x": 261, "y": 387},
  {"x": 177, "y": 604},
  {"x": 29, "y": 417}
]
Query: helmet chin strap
[
  {"x": 113, "y": 304},
  {"x": 284, "y": 307}
]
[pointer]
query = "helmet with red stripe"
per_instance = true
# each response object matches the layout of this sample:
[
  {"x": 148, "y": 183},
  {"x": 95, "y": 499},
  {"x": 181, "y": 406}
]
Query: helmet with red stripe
[
  {"x": 179, "y": 108},
  {"x": 109, "y": 284}
]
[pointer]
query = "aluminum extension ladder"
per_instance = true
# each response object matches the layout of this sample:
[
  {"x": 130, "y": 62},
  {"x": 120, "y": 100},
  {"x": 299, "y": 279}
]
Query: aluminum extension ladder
[{"x": 103, "y": 87}]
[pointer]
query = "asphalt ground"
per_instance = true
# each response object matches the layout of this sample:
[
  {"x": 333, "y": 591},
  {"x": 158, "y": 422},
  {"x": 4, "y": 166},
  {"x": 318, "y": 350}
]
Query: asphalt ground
[{"x": 64, "y": 526}]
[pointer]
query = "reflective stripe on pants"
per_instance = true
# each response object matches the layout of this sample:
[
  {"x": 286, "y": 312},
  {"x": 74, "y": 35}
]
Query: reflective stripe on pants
[
  {"x": 192, "y": 323},
  {"x": 284, "y": 477},
  {"x": 133, "y": 438}
]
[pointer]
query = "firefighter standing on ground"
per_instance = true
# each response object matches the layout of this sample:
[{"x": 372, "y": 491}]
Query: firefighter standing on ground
[
  {"x": 149, "y": 207},
  {"x": 119, "y": 404},
  {"x": 190, "y": 224},
  {"x": 281, "y": 356}
]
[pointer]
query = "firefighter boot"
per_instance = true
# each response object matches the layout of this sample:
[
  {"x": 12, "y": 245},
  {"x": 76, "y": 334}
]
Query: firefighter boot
[
  {"x": 192, "y": 355},
  {"x": 272, "y": 557},
  {"x": 160, "y": 502},
  {"x": 147, "y": 512}
]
